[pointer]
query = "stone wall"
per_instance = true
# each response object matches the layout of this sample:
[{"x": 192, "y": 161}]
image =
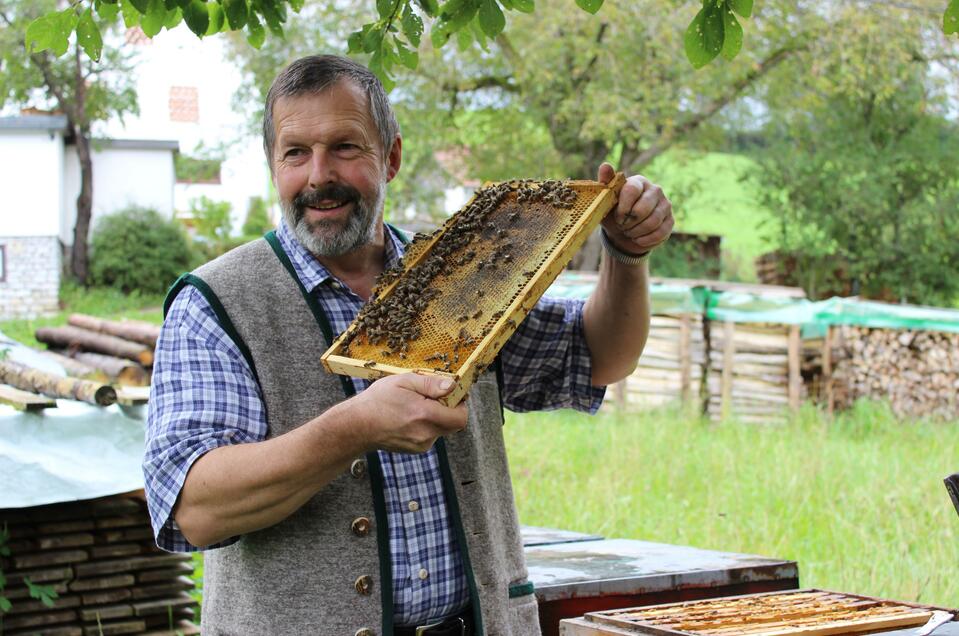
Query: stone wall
[{"x": 29, "y": 276}]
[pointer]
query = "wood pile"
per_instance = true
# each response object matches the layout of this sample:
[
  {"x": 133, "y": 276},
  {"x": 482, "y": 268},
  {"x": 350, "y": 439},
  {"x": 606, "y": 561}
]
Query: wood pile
[
  {"x": 917, "y": 372},
  {"x": 754, "y": 371},
  {"x": 670, "y": 369},
  {"x": 100, "y": 559}
]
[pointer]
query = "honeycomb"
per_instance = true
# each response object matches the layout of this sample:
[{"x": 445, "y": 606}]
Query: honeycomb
[{"x": 460, "y": 292}]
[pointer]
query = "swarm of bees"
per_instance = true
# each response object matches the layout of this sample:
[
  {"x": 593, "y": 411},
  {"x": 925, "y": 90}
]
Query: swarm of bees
[{"x": 392, "y": 321}]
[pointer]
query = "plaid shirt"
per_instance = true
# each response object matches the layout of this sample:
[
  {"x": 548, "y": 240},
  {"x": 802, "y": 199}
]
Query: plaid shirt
[{"x": 204, "y": 396}]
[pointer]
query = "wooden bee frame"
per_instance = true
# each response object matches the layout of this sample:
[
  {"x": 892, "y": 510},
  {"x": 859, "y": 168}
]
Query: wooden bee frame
[{"x": 483, "y": 294}]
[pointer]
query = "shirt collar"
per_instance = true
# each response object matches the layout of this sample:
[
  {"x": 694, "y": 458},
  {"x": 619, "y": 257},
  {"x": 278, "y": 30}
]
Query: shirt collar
[{"x": 311, "y": 272}]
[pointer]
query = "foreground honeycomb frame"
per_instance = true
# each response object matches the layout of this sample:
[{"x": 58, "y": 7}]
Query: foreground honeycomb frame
[{"x": 485, "y": 292}]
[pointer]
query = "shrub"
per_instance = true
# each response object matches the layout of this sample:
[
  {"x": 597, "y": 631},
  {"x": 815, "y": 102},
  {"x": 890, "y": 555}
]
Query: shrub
[
  {"x": 137, "y": 249},
  {"x": 257, "y": 221}
]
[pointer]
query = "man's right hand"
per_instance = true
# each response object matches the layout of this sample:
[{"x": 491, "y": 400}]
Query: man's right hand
[{"x": 401, "y": 413}]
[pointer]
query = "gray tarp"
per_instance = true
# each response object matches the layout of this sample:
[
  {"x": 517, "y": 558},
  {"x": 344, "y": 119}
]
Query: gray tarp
[{"x": 75, "y": 451}]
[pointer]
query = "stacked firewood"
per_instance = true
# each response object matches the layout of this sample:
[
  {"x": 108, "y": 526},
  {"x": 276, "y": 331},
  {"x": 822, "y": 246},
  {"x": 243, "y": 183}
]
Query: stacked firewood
[
  {"x": 670, "y": 369},
  {"x": 754, "y": 371},
  {"x": 917, "y": 372},
  {"x": 99, "y": 558},
  {"x": 119, "y": 352}
]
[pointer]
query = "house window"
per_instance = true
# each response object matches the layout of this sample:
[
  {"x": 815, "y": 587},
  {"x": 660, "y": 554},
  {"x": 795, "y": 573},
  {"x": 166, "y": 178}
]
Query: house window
[
  {"x": 3, "y": 263},
  {"x": 184, "y": 104}
]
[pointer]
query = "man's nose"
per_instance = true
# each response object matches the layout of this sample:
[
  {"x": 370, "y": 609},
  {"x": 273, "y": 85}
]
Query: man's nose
[{"x": 322, "y": 168}]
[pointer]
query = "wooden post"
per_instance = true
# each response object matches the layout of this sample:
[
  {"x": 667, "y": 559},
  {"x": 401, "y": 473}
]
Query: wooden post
[
  {"x": 685, "y": 370},
  {"x": 827, "y": 371},
  {"x": 729, "y": 354},
  {"x": 795, "y": 379}
]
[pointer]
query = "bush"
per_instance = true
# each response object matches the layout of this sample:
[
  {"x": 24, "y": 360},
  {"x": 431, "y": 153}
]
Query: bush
[
  {"x": 137, "y": 249},
  {"x": 257, "y": 221}
]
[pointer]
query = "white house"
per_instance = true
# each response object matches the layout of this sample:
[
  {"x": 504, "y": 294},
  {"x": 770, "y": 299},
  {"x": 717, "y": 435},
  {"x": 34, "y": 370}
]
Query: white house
[{"x": 40, "y": 181}]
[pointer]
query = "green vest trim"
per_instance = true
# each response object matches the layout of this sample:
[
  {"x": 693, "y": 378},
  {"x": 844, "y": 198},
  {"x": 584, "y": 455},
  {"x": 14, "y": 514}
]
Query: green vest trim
[
  {"x": 217, "y": 306},
  {"x": 521, "y": 589}
]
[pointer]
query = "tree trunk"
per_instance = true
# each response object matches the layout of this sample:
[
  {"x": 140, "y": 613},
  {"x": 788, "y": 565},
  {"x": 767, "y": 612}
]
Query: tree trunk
[
  {"x": 74, "y": 338},
  {"x": 36, "y": 381},
  {"x": 81, "y": 131},
  {"x": 143, "y": 332}
]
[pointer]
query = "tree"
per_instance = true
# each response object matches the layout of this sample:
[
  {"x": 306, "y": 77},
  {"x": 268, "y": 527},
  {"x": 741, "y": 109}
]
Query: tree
[
  {"x": 84, "y": 91},
  {"x": 861, "y": 170}
]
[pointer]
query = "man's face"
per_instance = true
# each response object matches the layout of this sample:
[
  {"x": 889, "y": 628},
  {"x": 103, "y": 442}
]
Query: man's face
[{"x": 329, "y": 168}]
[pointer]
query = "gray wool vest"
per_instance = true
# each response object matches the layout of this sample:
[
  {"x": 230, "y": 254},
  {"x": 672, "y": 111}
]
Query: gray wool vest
[{"x": 312, "y": 572}]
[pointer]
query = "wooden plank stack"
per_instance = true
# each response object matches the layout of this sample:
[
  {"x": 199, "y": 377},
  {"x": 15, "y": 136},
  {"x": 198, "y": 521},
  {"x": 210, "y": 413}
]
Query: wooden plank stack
[
  {"x": 100, "y": 558},
  {"x": 670, "y": 369},
  {"x": 917, "y": 372},
  {"x": 754, "y": 371}
]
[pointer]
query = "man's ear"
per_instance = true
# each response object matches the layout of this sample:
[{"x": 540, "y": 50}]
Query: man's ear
[{"x": 394, "y": 159}]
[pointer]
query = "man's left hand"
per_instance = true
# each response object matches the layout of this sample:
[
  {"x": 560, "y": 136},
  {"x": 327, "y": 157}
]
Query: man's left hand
[{"x": 643, "y": 217}]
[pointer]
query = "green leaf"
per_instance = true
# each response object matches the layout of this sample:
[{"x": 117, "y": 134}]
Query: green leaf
[
  {"x": 173, "y": 17},
  {"x": 409, "y": 59},
  {"x": 412, "y": 26},
  {"x": 372, "y": 39},
  {"x": 296, "y": 5},
  {"x": 131, "y": 16},
  {"x": 197, "y": 17},
  {"x": 5, "y": 605},
  {"x": 257, "y": 34},
  {"x": 430, "y": 7},
  {"x": 950, "y": 19},
  {"x": 524, "y": 6},
  {"x": 704, "y": 37},
  {"x": 385, "y": 8},
  {"x": 464, "y": 40},
  {"x": 88, "y": 36},
  {"x": 354, "y": 43},
  {"x": 108, "y": 11},
  {"x": 154, "y": 18},
  {"x": 491, "y": 18},
  {"x": 732, "y": 35},
  {"x": 51, "y": 31},
  {"x": 217, "y": 19},
  {"x": 274, "y": 16},
  {"x": 236, "y": 13},
  {"x": 142, "y": 6},
  {"x": 743, "y": 7},
  {"x": 590, "y": 6}
]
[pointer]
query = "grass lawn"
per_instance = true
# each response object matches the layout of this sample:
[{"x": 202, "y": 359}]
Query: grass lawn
[
  {"x": 102, "y": 302},
  {"x": 859, "y": 503},
  {"x": 710, "y": 197}
]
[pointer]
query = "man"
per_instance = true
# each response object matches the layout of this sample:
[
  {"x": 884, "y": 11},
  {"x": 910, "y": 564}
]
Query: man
[{"x": 336, "y": 506}]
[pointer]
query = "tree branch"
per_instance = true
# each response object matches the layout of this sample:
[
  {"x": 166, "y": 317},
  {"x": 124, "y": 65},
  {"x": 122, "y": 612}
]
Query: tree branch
[
  {"x": 584, "y": 75},
  {"x": 479, "y": 83}
]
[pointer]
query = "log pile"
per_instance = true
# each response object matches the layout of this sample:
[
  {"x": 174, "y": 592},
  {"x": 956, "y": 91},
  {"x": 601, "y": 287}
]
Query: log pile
[
  {"x": 39, "y": 382},
  {"x": 100, "y": 559},
  {"x": 754, "y": 372},
  {"x": 917, "y": 372},
  {"x": 670, "y": 369}
]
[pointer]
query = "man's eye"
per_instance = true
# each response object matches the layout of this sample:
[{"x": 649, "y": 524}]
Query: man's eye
[
  {"x": 347, "y": 146},
  {"x": 294, "y": 152}
]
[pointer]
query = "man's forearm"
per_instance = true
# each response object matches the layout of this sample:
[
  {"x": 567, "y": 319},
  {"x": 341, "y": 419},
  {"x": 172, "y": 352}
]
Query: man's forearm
[
  {"x": 616, "y": 319},
  {"x": 233, "y": 490}
]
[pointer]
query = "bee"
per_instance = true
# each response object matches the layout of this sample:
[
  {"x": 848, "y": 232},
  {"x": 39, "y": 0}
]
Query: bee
[
  {"x": 370, "y": 364},
  {"x": 479, "y": 312}
]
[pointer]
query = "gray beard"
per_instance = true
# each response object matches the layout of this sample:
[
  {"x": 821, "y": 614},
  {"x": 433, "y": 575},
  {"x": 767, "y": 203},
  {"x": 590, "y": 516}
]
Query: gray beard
[{"x": 322, "y": 238}]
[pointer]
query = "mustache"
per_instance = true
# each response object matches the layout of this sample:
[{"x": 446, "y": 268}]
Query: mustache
[{"x": 329, "y": 192}]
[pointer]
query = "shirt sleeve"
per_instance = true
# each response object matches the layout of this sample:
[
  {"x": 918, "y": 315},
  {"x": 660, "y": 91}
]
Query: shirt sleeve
[
  {"x": 204, "y": 395},
  {"x": 546, "y": 363}
]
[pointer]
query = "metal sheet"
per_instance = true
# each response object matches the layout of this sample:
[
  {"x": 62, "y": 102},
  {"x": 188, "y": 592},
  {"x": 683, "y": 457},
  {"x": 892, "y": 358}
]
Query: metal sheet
[
  {"x": 534, "y": 536},
  {"x": 627, "y": 567}
]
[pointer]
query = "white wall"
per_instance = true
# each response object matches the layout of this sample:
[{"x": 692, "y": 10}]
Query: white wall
[
  {"x": 121, "y": 177},
  {"x": 31, "y": 173}
]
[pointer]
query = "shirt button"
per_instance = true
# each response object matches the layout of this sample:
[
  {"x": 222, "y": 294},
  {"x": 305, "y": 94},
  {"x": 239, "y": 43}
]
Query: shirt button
[
  {"x": 361, "y": 526},
  {"x": 365, "y": 631},
  {"x": 358, "y": 468},
  {"x": 336, "y": 285},
  {"x": 364, "y": 585},
  {"x": 414, "y": 506},
  {"x": 423, "y": 574}
]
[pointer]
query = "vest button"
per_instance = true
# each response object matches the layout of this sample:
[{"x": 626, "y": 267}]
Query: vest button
[
  {"x": 358, "y": 468},
  {"x": 364, "y": 585},
  {"x": 361, "y": 526},
  {"x": 364, "y": 631}
]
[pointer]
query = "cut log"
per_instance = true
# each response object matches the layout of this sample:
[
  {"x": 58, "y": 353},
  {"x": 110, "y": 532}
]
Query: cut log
[
  {"x": 138, "y": 331},
  {"x": 77, "y": 338},
  {"x": 120, "y": 370},
  {"x": 133, "y": 395},
  {"x": 36, "y": 381},
  {"x": 24, "y": 401},
  {"x": 75, "y": 368}
]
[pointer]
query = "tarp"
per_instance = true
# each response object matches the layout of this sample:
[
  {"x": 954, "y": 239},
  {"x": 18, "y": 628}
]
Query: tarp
[
  {"x": 75, "y": 451},
  {"x": 667, "y": 298}
]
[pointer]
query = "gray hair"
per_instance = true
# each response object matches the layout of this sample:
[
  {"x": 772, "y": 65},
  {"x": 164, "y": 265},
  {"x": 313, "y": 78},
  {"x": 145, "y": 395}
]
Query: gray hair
[{"x": 314, "y": 74}]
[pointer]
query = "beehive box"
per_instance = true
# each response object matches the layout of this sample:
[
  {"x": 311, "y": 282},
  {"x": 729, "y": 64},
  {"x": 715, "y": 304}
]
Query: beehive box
[
  {"x": 460, "y": 292},
  {"x": 794, "y": 613}
]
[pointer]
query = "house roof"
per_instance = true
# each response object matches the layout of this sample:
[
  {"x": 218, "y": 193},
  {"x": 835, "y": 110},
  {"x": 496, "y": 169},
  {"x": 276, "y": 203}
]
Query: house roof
[
  {"x": 138, "y": 144},
  {"x": 34, "y": 122}
]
